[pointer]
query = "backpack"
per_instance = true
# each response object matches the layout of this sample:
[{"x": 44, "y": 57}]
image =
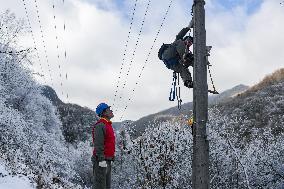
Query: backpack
[
  {"x": 162, "y": 49},
  {"x": 168, "y": 62}
]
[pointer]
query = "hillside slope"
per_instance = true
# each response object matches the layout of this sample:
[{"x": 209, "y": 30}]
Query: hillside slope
[
  {"x": 261, "y": 106},
  {"x": 76, "y": 120},
  {"x": 245, "y": 140}
]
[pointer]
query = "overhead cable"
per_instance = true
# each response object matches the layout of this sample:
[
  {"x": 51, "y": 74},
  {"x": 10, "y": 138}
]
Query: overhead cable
[
  {"x": 43, "y": 40},
  {"x": 135, "y": 48},
  {"x": 125, "y": 50},
  {"x": 147, "y": 59},
  {"x": 33, "y": 38}
]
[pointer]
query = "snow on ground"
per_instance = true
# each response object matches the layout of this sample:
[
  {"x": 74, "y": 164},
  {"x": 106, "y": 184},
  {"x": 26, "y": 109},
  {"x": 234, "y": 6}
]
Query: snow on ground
[{"x": 13, "y": 182}]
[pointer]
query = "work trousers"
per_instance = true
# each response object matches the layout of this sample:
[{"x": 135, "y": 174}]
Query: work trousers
[
  {"x": 102, "y": 175},
  {"x": 184, "y": 72}
]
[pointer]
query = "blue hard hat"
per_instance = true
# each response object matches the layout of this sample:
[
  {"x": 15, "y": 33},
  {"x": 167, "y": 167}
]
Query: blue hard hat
[{"x": 101, "y": 107}]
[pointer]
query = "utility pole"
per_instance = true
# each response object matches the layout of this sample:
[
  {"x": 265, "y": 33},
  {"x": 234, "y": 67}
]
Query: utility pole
[{"x": 200, "y": 162}]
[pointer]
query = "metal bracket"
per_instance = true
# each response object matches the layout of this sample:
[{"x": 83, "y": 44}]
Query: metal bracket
[{"x": 208, "y": 49}]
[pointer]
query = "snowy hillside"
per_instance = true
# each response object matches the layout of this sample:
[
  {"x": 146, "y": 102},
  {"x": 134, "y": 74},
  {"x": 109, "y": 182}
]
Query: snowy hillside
[
  {"x": 246, "y": 145},
  {"x": 261, "y": 106},
  {"x": 8, "y": 181},
  {"x": 186, "y": 108},
  {"x": 44, "y": 143},
  {"x": 31, "y": 140},
  {"x": 76, "y": 120}
]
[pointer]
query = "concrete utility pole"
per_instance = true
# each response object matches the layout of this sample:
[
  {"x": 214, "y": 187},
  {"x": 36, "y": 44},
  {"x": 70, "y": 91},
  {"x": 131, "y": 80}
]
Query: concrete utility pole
[{"x": 200, "y": 164}]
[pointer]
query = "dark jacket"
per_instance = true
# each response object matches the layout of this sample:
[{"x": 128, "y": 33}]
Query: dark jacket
[{"x": 178, "y": 47}]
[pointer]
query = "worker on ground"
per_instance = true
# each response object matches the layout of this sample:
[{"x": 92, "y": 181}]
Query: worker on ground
[
  {"x": 104, "y": 147},
  {"x": 178, "y": 57}
]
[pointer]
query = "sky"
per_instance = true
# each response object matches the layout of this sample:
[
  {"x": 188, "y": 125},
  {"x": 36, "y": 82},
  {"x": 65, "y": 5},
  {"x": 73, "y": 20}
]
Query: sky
[{"x": 246, "y": 35}]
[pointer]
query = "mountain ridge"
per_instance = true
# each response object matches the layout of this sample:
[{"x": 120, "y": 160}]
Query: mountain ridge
[{"x": 170, "y": 113}]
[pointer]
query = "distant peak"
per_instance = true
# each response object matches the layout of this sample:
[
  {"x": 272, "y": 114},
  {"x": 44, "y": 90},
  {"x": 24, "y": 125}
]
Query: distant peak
[
  {"x": 50, "y": 93},
  {"x": 270, "y": 79},
  {"x": 241, "y": 86}
]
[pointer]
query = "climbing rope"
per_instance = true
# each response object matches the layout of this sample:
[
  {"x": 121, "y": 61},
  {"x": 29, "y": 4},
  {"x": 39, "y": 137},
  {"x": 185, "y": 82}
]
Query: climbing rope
[
  {"x": 178, "y": 92},
  {"x": 175, "y": 90}
]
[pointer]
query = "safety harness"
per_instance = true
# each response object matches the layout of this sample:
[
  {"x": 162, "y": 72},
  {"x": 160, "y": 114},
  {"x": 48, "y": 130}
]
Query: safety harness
[{"x": 175, "y": 90}]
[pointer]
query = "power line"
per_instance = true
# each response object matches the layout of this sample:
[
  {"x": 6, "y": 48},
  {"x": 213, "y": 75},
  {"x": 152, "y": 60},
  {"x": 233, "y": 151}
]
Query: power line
[
  {"x": 124, "y": 53},
  {"x": 147, "y": 58},
  {"x": 57, "y": 47},
  {"x": 43, "y": 40},
  {"x": 136, "y": 45},
  {"x": 33, "y": 37},
  {"x": 65, "y": 53}
]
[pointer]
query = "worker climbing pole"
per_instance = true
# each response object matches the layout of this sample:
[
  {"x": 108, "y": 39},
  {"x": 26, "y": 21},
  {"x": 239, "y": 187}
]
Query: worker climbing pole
[{"x": 200, "y": 164}]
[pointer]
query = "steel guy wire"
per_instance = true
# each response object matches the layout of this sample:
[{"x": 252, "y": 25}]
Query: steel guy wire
[
  {"x": 43, "y": 40},
  {"x": 57, "y": 47},
  {"x": 147, "y": 58},
  {"x": 33, "y": 38},
  {"x": 136, "y": 45},
  {"x": 125, "y": 50}
]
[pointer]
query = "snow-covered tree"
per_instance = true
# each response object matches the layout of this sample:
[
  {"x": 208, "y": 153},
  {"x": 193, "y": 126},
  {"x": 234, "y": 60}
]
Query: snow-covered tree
[
  {"x": 242, "y": 155},
  {"x": 31, "y": 136}
]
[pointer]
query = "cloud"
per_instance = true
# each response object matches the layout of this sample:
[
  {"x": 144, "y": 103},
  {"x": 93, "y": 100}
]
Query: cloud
[
  {"x": 250, "y": 51},
  {"x": 246, "y": 46}
]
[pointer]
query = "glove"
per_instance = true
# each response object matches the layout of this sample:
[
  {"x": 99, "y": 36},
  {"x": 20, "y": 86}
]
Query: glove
[
  {"x": 190, "y": 121},
  {"x": 102, "y": 164},
  {"x": 190, "y": 25}
]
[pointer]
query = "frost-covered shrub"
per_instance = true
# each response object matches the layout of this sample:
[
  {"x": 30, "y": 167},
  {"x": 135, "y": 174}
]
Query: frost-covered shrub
[
  {"x": 31, "y": 136},
  {"x": 241, "y": 155},
  {"x": 160, "y": 158}
]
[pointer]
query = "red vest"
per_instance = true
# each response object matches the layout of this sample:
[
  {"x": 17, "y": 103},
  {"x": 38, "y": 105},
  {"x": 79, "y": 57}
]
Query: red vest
[{"x": 109, "y": 141}]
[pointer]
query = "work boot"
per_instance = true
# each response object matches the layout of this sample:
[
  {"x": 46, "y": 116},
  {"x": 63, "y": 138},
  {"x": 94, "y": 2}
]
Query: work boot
[{"x": 188, "y": 84}]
